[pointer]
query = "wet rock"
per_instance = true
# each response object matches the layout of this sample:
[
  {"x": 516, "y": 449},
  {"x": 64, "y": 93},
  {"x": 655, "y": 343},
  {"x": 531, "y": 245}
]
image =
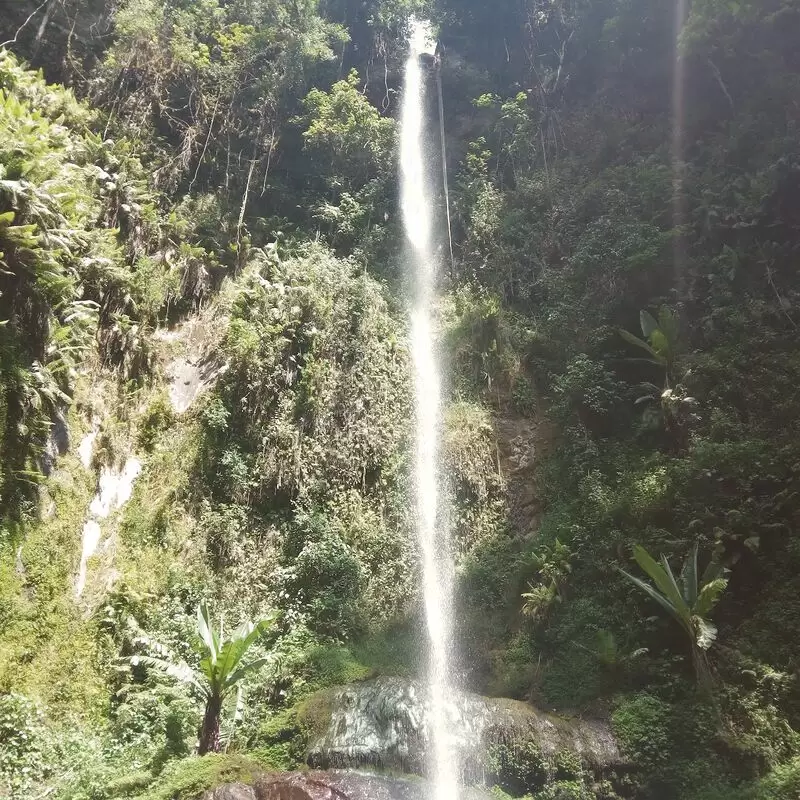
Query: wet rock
[
  {"x": 188, "y": 379},
  {"x": 522, "y": 443},
  {"x": 59, "y": 433},
  {"x": 113, "y": 492},
  {"x": 231, "y": 791},
  {"x": 334, "y": 785},
  {"x": 367, "y": 786},
  {"x": 86, "y": 447},
  {"x": 384, "y": 723}
]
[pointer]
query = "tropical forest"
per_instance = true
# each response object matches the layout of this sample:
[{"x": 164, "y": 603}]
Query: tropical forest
[{"x": 399, "y": 399}]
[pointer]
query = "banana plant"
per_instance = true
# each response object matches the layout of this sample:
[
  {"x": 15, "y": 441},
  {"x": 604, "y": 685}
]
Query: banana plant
[
  {"x": 662, "y": 344},
  {"x": 687, "y": 599},
  {"x": 660, "y": 340},
  {"x": 222, "y": 667}
]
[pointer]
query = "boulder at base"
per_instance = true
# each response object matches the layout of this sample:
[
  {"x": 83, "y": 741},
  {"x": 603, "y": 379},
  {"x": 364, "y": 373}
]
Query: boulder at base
[
  {"x": 334, "y": 785},
  {"x": 383, "y": 723}
]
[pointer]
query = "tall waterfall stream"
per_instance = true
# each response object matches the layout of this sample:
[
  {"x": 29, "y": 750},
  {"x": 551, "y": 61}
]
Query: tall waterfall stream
[{"x": 418, "y": 211}]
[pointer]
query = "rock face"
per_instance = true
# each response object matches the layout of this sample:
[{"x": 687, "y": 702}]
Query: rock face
[
  {"x": 522, "y": 443},
  {"x": 114, "y": 489},
  {"x": 190, "y": 363},
  {"x": 332, "y": 785},
  {"x": 383, "y": 723},
  {"x": 231, "y": 791},
  {"x": 57, "y": 442}
]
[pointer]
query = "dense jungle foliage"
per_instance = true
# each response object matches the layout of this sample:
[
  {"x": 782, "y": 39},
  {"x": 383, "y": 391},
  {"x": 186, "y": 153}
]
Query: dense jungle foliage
[{"x": 619, "y": 333}]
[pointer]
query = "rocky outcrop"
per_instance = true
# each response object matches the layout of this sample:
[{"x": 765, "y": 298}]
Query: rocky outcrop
[
  {"x": 57, "y": 443},
  {"x": 231, "y": 791},
  {"x": 188, "y": 354},
  {"x": 384, "y": 723}
]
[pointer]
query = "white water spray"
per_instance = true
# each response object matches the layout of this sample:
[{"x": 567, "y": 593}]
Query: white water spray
[{"x": 417, "y": 209}]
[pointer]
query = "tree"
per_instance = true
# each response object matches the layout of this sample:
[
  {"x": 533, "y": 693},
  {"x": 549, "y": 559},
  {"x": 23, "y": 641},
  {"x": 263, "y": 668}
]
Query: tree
[
  {"x": 220, "y": 671},
  {"x": 351, "y": 146},
  {"x": 687, "y": 600}
]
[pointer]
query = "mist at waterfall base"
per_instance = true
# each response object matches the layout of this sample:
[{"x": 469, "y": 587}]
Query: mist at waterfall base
[{"x": 418, "y": 212}]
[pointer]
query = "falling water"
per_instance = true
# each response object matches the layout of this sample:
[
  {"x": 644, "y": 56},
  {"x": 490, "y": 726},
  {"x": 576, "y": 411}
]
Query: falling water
[
  {"x": 417, "y": 210},
  {"x": 679, "y": 211}
]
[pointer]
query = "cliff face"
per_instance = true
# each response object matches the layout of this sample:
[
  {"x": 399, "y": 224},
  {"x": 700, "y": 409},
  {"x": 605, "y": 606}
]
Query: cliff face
[{"x": 205, "y": 388}]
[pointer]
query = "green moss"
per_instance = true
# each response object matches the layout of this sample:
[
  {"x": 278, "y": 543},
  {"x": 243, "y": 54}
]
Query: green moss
[
  {"x": 129, "y": 784},
  {"x": 314, "y": 714},
  {"x": 281, "y": 741},
  {"x": 565, "y": 790},
  {"x": 188, "y": 778},
  {"x": 673, "y": 745},
  {"x": 517, "y": 768},
  {"x": 642, "y": 726},
  {"x": 335, "y": 665},
  {"x": 284, "y": 738}
]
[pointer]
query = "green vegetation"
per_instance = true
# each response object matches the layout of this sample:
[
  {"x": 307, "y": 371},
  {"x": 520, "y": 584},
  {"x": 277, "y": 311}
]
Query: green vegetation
[
  {"x": 221, "y": 670},
  {"x": 188, "y": 779},
  {"x": 216, "y": 190},
  {"x": 688, "y": 599}
]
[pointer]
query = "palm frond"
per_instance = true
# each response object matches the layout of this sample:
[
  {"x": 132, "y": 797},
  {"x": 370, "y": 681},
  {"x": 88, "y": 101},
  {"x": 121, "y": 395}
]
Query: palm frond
[
  {"x": 181, "y": 671},
  {"x": 642, "y": 345},
  {"x": 206, "y": 631},
  {"x": 709, "y": 596}
]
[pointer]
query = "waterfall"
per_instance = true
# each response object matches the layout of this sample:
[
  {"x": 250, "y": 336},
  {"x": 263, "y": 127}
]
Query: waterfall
[{"x": 417, "y": 211}]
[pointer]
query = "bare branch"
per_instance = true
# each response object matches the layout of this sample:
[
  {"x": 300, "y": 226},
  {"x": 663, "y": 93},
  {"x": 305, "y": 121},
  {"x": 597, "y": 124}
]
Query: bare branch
[
  {"x": 205, "y": 146},
  {"x": 718, "y": 75},
  {"x": 21, "y": 27}
]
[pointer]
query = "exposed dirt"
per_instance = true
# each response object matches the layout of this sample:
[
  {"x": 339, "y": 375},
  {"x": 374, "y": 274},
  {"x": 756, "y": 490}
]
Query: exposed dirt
[{"x": 522, "y": 442}]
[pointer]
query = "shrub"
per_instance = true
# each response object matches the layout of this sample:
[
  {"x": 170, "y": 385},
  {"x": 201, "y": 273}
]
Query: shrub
[
  {"x": 156, "y": 418},
  {"x": 783, "y": 783},
  {"x": 325, "y": 582},
  {"x": 22, "y": 757},
  {"x": 517, "y": 769},
  {"x": 565, "y": 790},
  {"x": 642, "y": 724}
]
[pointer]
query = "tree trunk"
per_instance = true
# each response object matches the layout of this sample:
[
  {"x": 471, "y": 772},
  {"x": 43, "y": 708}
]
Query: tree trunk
[
  {"x": 209, "y": 731},
  {"x": 702, "y": 670}
]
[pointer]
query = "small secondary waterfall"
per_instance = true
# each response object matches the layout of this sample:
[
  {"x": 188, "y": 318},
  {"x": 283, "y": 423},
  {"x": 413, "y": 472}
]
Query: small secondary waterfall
[{"x": 417, "y": 209}]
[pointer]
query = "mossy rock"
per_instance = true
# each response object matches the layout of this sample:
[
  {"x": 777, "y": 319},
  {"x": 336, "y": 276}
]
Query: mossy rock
[
  {"x": 314, "y": 713},
  {"x": 128, "y": 785},
  {"x": 283, "y": 739},
  {"x": 189, "y": 778}
]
